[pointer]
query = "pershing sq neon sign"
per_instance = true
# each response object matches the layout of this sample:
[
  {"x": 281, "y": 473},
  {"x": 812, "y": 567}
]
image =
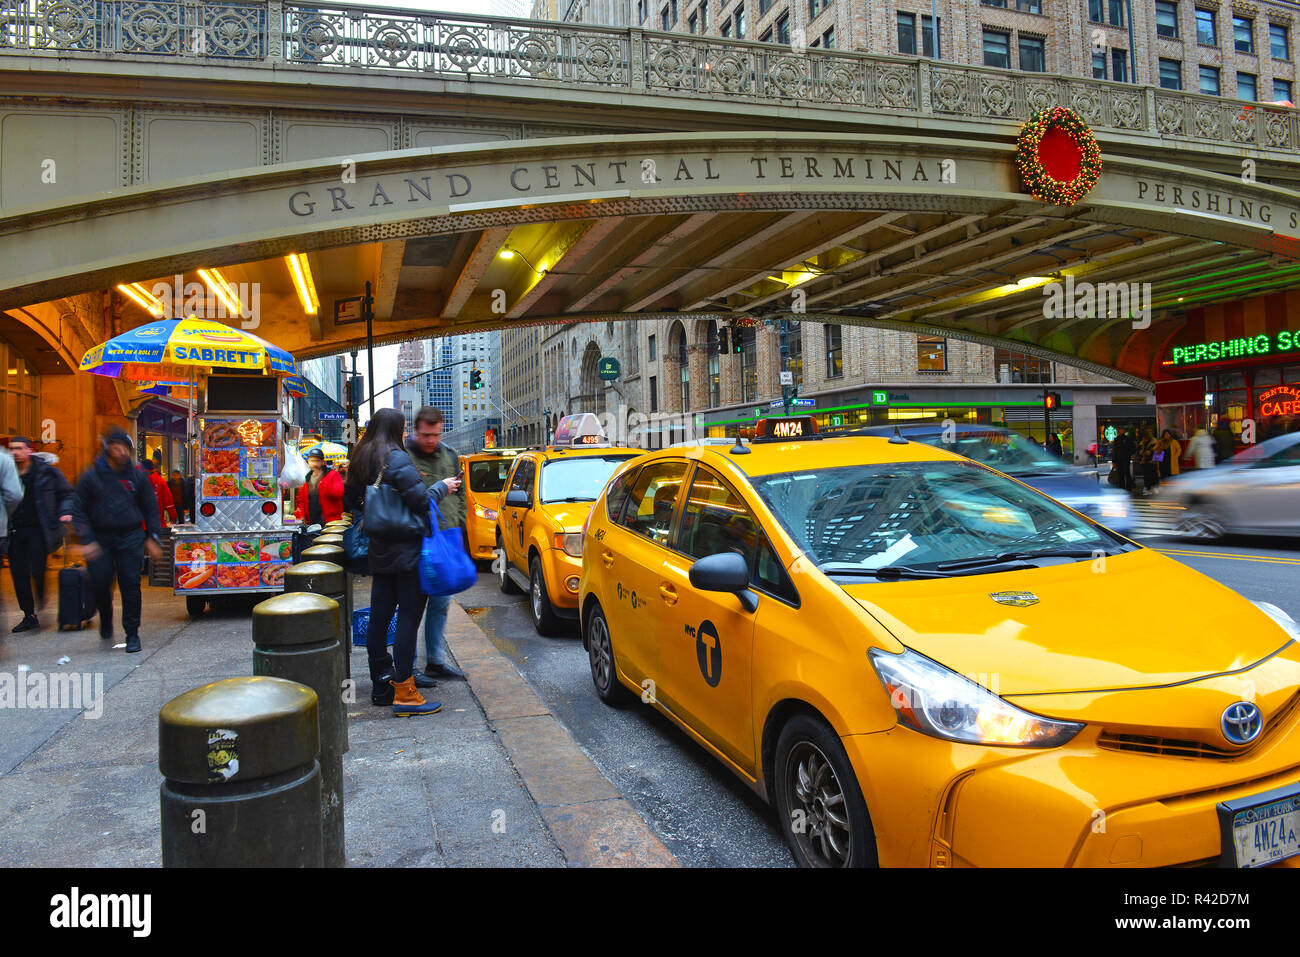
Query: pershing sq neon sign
[{"x": 1246, "y": 347}]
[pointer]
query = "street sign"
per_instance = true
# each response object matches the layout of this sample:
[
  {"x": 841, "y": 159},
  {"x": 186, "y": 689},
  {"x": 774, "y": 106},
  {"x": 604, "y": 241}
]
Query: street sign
[
  {"x": 332, "y": 416},
  {"x": 607, "y": 369},
  {"x": 787, "y": 378},
  {"x": 803, "y": 403},
  {"x": 349, "y": 310},
  {"x": 776, "y": 403}
]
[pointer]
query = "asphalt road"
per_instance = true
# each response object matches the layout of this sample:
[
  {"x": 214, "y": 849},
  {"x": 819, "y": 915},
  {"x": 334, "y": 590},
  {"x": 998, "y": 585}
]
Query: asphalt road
[{"x": 702, "y": 813}]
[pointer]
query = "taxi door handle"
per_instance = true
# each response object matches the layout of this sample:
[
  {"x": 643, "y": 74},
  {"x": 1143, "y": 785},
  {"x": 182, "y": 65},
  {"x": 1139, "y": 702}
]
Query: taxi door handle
[
  {"x": 607, "y": 557},
  {"x": 668, "y": 593}
]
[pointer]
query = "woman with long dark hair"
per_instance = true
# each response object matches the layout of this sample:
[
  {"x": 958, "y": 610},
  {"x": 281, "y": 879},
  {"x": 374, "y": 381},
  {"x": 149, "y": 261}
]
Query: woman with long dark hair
[{"x": 395, "y": 581}]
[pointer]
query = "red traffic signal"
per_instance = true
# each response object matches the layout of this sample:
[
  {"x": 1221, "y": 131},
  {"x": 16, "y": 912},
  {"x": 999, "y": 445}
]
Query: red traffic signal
[{"x": 1051, "y": 400}]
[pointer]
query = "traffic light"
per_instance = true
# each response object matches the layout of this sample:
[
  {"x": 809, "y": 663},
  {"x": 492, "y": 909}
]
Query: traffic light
[
  {"x": 475, "y": 379},
  {"x": 354, "y": 391},
  {"x": 722, "y": 342},
  {"x": 1051, "y": 401}
]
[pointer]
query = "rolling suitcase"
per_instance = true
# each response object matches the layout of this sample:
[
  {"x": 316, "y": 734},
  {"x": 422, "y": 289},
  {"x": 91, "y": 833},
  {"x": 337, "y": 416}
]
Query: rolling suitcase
[{"x": 76, "y": 600}]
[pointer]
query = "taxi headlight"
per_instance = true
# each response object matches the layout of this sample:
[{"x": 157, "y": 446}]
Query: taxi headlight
[
  {"x": 934, "y": 700},
  {"x": 488, "y": 513},
  {"x": 570, "y": 543},
  {"x": 1287, "y": 623}
]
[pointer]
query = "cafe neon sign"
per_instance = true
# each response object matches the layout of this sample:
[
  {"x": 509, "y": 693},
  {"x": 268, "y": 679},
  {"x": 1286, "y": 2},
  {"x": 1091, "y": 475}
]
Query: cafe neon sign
[
  {"x": 1244, "y": 347},
  {"x": 1280, "y": 400}
]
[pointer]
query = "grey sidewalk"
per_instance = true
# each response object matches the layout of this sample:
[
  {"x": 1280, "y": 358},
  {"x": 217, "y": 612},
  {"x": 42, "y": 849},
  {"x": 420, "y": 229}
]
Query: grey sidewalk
[{"x": 492, "y": 780}]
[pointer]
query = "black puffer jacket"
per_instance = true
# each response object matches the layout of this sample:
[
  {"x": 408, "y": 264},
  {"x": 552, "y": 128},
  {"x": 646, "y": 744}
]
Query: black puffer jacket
[{"x": 388, "y": 556}]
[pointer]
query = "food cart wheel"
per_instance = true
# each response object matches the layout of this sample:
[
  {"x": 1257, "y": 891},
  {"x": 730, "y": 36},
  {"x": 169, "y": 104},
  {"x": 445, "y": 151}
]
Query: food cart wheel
[{"x": 195, "y": 605}]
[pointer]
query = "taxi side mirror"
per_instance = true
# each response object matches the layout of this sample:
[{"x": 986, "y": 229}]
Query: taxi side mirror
[
  {"x": 517, "y": 498},
  {"x": 728, "y": 571}
]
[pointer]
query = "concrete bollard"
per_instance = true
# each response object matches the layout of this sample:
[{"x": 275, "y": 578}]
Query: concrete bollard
[
  {"x": 325, "y": 538},
  {"x": 242, "y": 786},
  {"x": 328, "y": 579},
  {"x": 295, "y": 636},
  {"x": 334, "y": 555}
]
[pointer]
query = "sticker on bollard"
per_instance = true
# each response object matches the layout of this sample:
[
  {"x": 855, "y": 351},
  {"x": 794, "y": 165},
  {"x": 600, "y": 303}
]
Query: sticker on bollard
[{"x": 242, "y": 786}]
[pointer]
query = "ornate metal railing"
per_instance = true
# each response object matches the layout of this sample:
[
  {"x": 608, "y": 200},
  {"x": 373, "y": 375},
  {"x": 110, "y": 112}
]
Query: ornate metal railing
[{"x": 342, "y": 37}]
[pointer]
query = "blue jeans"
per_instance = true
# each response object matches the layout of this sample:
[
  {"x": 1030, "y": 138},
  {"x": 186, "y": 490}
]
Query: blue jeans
[{"x": 435, "y": 624}]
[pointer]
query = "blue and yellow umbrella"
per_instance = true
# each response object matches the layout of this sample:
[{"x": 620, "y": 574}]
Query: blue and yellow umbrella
[{"x": 171, "y": 349}]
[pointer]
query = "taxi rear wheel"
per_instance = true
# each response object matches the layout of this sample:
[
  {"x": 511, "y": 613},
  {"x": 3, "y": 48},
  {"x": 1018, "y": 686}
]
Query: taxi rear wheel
[
  {"x": 823, "y": 815},
  {"x": 502, "y": 565},
  {"x": 600, "y": 651},
  {"x": 544, "y": 618}
]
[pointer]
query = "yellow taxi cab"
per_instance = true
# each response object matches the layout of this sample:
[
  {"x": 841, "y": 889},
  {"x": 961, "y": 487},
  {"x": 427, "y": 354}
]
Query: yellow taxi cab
[
  {"x": 548, "y": 496},
  {"x": 924, "y": 662},
  {"x": 485, "y": 478}
]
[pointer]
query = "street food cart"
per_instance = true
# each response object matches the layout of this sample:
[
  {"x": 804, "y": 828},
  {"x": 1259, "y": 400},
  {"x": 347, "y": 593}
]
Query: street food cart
[{"x": 240, "y": 541}]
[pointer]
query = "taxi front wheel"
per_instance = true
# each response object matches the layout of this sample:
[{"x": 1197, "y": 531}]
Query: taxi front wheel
[
  {"x": 502, "y": 565},
  {"x": 544, "y": 618},
  {"x": 823, "y": 815},
  {"x": 600, "y": 649}
]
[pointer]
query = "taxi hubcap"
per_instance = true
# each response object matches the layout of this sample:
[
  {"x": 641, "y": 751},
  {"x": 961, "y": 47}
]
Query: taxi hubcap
[
  {"x": 820, "y": 817},
  {"x": 537, "y": 597},
  {"x": 601, "y": 659}
]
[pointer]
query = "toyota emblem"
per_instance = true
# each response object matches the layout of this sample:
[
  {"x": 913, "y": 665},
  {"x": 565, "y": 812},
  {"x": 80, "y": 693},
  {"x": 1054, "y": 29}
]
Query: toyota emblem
[{"x": 1242, "y": 722}]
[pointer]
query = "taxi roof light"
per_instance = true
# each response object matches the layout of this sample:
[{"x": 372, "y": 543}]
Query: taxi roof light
[
  {"x": 786, "y": 428},
  {"x": 580, "y": 430}
]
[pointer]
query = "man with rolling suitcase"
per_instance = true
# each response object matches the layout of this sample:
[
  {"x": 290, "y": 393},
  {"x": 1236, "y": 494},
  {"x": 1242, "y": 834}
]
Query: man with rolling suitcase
[
  {"x": 116, "y": 515},
  {"x": 35, "y": 527}
]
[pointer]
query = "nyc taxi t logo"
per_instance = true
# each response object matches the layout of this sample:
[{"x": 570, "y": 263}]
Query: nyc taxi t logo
[{"x": 708, "y": 651}]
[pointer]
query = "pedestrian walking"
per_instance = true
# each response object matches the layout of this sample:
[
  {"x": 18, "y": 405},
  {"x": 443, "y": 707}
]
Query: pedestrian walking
[
  {"x": 1224, "y": 444},
  {"x": 11, "y": 494},
  {"x": 115, "y": 512},
  {"x": 1150, "y": 465},
  {"x": 435, "y": 460},
  {"x": 176, "y": 486},
  {"x": 1171, "y": 451},
  {"x": 35, "y": 528},
  {"x": 1053, "y": 446},
  {"x": 320, "y": 498},
  {"x": 379, "y": 459},
  {"x": 1123, "y": 450},
  {"x": 1201, "y": 449}
]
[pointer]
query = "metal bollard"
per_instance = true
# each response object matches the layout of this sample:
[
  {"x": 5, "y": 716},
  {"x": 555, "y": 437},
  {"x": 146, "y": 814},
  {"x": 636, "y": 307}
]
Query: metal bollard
[
  {"x": 325, "y": 538},
  {"x": 241, "y": 784},
  {"x": 295, "y": 636},
  {"x": 334, "y": 555},
  {"x": 328, "y": 579}
]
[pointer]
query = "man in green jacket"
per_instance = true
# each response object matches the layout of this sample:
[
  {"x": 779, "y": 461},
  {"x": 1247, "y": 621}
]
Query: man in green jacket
[{"x": 436, "y": 461}]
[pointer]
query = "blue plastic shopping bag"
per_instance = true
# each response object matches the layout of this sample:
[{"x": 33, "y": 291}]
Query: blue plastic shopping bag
[{"x": 445, "y": 566}]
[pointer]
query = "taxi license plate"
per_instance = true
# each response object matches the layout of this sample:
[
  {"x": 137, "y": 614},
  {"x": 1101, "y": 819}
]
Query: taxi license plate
[{"x": 1261, "y": 829}]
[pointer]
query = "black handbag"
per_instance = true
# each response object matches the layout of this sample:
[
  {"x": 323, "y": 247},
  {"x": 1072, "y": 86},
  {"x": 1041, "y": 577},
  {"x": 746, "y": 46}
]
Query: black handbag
[
  {"x": 356, "y": 546},
  {"x": 387, "y": 515}
]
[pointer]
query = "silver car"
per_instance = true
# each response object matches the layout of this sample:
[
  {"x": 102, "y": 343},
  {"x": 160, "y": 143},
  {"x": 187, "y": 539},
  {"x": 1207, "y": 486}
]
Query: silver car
[{"x": 1256, "y": 492}]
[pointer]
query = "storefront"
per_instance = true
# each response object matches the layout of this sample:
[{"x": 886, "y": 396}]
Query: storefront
[
  {"x": 20, "y": 396},
  {"x": 160, "y": 435}
]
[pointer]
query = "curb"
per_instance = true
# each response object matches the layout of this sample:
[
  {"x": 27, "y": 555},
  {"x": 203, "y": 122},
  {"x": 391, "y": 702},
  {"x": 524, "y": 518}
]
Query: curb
[{"x": 591, "y": 822}]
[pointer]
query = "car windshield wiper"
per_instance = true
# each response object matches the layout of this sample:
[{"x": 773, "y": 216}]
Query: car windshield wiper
[
  {"x": 891, "y": 572},
  {"x": 1003, "y": 557},
  {"x": 571, "y": 498}
]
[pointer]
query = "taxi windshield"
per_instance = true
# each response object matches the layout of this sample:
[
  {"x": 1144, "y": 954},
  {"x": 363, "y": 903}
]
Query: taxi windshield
[
  {"x": 1004, "y": 451},
  {"x": 922, "y": 514},
  {"x": 579, "y": 479},
  {"x": 489, "y": 476}
]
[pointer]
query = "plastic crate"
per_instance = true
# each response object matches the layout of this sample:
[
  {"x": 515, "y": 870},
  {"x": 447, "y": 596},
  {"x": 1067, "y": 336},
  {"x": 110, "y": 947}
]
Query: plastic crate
[{"x": 361, "y": 625}]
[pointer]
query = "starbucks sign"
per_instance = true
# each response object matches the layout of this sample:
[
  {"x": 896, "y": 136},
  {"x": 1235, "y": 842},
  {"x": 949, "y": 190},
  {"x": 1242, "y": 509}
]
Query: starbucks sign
[{"x": 608, "y": 368}]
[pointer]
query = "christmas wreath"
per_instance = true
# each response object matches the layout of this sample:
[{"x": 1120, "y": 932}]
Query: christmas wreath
[{"x": 1058, "y": 157}]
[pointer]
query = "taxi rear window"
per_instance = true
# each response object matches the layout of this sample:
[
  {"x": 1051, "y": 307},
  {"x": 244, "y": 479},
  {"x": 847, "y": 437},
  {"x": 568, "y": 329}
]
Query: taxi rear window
[{"x": 489, "y": 476}]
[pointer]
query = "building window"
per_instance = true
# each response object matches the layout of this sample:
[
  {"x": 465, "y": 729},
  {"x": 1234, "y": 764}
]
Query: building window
[
  {"x": 1243, "y": 37},
  {"x": 1210, "y": 80},
  {"x": 1246, "y": 86},
  {"x": 704, "y": 16},
  {"x": 740, "y": 23},
  {"x": 783, "y": 28},
  {"x": 1116, "y": 11},
  {"x": 764, "y": 6},
  {"x": 1171, "y": 74},
  {"x": 1119, "y": 65},
  {"x": 997, "y": 49},
  {"x": 766, "y": 37},
  {"x": 1029, "y": 6},
  {"x": 748, "y": 342},
  {"x": 663, "y": 19},
  {"x": 1282, "y": 90},
  {"x": 834, "y": 351},
  {"x": 907, "y": 34},
  {"x": 654, "y": 349},
  {"x": 994, "y": 3},
  {"x": 1166, "y": 19},
  {"x": 725, "y": 30},
  {"x": 654, "y": 393},
  {"x": 1012, "y": 367},
  {"x": 931, "y": 354},
  {"x": 1095, "y": 11},
  {"x": 692, "y": 24},
  {"x": 828, "y": 38},
  {"x": 1031, "y": 55},
  {"x": 1098, "y": 65},
  {"x": 815, "y": 7},
  {"x": 1206, "y": 33},
  {"x": 641, "y": 10},
  {"x": 684, "y": 361},
  {"x": 1279, "y": 47},
  {"x": 673, "y": 10}
]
